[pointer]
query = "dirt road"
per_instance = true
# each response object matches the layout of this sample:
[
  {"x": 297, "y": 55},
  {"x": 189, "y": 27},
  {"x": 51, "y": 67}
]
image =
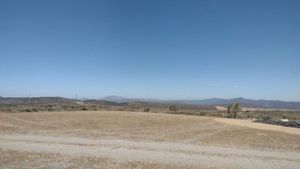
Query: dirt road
[{"x": 160, "y": 152}]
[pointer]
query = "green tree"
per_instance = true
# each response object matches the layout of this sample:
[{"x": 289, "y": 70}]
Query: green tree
[
  {"x": 229, "y": 107},
  {"x": 233, "y": 109},
  {"x": 236, "y": 109}
]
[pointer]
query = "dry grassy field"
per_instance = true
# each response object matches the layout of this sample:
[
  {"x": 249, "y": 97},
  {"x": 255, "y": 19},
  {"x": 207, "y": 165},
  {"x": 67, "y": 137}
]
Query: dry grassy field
[{"x": 121, "y": 139}]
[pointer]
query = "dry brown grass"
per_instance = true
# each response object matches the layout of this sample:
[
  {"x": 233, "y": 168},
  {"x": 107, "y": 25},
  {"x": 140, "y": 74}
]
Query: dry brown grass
[
  {"x": 134, "y": 126},
  {"x": 144, "y": 127}
]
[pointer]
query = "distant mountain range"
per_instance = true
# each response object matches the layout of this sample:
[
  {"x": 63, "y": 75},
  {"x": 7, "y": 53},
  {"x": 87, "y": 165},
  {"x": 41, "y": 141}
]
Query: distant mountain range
[
  {"x": 118, "y": 99},
  {"x": 216, "y": 101},
  {"x": 21, "y": 100},
  {"x": 248, "y": 103}
]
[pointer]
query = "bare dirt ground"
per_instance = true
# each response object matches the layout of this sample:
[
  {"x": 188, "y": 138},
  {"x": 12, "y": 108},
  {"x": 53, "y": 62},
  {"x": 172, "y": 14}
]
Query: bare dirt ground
[{"x": 111, "y": 139}]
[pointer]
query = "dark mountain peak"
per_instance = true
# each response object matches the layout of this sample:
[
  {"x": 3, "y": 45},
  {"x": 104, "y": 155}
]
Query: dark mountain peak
[{"x": 239, "y": 98}]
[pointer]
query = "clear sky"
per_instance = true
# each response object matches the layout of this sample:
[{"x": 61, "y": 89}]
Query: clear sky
[{"x": 165, "y": 49}]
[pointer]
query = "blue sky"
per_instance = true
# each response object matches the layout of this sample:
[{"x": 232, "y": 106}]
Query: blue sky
[{"x": 165, "y": 49}]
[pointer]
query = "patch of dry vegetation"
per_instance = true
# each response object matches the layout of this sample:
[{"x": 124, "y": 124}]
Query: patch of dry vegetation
[{"x": 145, "y": 127}]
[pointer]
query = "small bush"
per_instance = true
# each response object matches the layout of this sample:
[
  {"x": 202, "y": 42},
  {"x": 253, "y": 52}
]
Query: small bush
[
  {"x": 84, "y": 108},
  {"x": 284, "y": 116},
  {"x": 266, "y": 118},
  {"x": 121, "y": 109},
  {"x": 172, "y": 108},
  {"x": 146, "y": 109},
  {"x": 202, "y": 113}
]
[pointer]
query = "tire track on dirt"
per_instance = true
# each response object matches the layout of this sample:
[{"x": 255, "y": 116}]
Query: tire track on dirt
[{"x": 161, "y": 152}]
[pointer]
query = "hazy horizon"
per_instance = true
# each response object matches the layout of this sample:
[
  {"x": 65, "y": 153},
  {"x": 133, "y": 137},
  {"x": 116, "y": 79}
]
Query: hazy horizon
[
  {"x": 147, "y": 98},
  {"x": 150, "y": 49}
]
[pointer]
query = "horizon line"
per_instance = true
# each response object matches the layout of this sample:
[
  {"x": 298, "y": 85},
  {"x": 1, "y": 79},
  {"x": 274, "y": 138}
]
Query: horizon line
[{"x": 141, "y": 98}]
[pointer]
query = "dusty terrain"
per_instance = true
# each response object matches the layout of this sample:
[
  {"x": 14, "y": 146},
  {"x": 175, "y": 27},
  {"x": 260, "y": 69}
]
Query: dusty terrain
[{"x": 112, "y": 139}]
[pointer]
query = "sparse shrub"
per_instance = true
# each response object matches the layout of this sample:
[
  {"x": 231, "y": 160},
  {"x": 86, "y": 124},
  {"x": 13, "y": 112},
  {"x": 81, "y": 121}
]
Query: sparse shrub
[
  {"x": 172, "y": 108},
  {"x": 249, "y": 115},
  {"x": 202, "y": 113},
  {"x": 121, "y": 109},
  {"x": 27, "y": 110},
  {"x": 266, "y": 118},
  {"x": 191, "y": 113},
  {"x": 50, "y": 107},
  {"x": 84, "y": 108},
  {"x": 284, "y": 116},
  {"x": 147, "y": 109},
  {"x": 34, "y": 110}
]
